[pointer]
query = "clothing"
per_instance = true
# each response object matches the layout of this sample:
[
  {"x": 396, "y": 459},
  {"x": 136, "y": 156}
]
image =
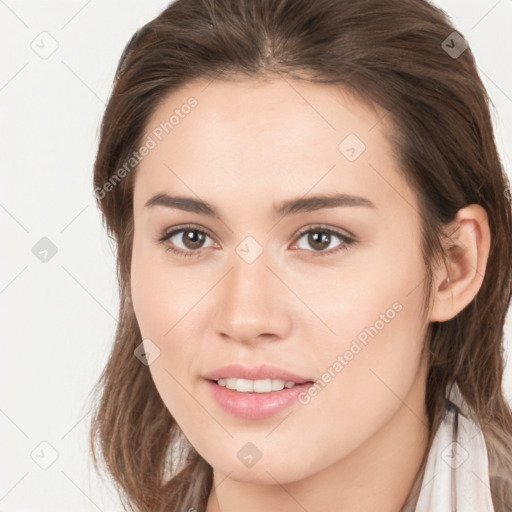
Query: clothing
[{"x": 456, "y": 476}]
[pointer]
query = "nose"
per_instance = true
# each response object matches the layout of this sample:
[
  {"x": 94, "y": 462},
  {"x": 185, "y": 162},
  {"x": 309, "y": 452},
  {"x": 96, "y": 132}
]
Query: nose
[{"x": 253, "y": 304}]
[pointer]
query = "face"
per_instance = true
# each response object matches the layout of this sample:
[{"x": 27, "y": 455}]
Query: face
[{"x": 255, "y": 271}]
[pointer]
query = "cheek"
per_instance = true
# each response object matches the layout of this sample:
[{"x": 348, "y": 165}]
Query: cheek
[
  {"x": 159, "y": 294},
  {"x": 163, "y": 300},
  {"x": 372, "y": 361},
  {"x": 380, "y": 298}
]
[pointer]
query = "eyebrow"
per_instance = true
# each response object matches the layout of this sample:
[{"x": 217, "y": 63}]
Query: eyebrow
[{"x": 285, "y": 208}]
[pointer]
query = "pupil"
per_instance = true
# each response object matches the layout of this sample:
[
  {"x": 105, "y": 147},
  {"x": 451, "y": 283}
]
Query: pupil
[
  {"x": 319, "y": 237},
  {"x": 193, "y": 239}
]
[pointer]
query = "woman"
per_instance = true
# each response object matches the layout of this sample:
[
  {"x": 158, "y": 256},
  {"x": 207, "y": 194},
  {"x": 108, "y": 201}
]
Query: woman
[{"x": 314, "y": 247}]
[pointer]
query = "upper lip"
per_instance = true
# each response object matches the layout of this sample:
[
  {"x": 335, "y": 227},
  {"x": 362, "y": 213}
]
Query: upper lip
[{"x": 261, "y": 372}]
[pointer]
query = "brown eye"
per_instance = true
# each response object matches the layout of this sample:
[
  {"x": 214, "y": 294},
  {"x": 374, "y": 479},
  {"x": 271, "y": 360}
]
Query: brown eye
[
  {"x": 185, "y": 241},
  {"x": 320, "y": 239},
  {"x": 192, "y": 239}
]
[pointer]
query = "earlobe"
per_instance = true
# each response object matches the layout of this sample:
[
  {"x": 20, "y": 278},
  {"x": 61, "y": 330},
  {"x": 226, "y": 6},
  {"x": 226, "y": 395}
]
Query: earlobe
[{"x": 467, "y": 249}]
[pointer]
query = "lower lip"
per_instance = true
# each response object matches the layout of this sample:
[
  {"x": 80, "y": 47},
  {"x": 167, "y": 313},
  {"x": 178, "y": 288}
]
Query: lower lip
[{"x": 255, "y": 406}]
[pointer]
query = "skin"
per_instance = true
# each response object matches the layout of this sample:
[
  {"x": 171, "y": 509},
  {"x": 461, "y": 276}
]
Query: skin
[{"x": 358, "y": 444}]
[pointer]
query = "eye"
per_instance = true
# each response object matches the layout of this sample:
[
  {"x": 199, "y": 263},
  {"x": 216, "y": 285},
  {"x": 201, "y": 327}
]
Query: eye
[
  {"x": 321, "y": 238},
  {"x": 185, "y": 241},
  {"x": 189, "y": 240}
]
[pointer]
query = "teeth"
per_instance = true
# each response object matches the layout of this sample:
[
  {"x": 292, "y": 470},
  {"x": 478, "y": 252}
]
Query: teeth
[{"x": 256, "y": 386}]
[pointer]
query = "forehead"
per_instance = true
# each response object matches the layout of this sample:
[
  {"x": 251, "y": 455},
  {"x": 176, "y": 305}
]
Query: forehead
[{"x": 256, "y": 139}]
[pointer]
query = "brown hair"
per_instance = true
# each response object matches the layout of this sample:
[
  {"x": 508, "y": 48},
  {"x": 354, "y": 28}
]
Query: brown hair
[{"x": 389, "y": 52}]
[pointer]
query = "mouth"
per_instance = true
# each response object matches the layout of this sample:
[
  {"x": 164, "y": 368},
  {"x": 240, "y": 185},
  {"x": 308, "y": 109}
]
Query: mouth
[
  {"x": 264, "y": 378},
  {"x": 255, "y": 399},
  {"x": 259, "y": 385}
]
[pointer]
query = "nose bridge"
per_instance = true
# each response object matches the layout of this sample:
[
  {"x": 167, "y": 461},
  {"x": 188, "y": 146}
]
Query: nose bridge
[
  {"x": 252, "y": 301},
  {"x": 249, "y": 279}
]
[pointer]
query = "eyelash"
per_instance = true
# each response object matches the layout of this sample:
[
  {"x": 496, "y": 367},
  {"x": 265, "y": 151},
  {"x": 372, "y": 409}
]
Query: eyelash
[{"x": 346, "y": 240}]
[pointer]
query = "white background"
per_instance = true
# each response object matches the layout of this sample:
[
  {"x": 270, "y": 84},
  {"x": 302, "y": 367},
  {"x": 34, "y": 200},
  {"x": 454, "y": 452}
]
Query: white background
[{"x": 58, "y": 318}]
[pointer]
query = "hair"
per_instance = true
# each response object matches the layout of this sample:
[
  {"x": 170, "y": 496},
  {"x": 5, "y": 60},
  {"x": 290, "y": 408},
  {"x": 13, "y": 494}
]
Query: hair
[{"x": 387, "y": 53}]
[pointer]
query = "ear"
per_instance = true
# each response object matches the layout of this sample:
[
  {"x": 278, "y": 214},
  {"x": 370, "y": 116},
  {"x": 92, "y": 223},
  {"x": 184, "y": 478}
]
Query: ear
[{"x": 457, "y": 282}]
